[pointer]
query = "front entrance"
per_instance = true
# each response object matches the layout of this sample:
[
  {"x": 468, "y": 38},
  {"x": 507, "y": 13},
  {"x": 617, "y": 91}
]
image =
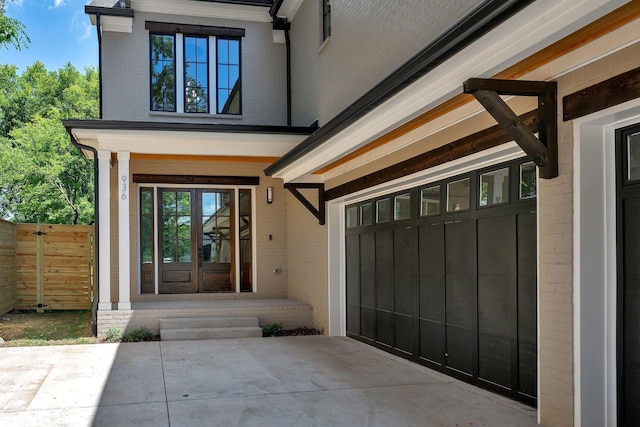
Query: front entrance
[
  {"x": 445, "y": 275},
  {"x": 203, "y": 240},
  {"x": 628, "y": 246}
]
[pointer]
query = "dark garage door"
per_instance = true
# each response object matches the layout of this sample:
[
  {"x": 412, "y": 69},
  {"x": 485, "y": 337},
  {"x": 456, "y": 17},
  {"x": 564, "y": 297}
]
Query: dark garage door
[
  {"x": 628, "y": 240},
  {"x": 445, "y": 275}
]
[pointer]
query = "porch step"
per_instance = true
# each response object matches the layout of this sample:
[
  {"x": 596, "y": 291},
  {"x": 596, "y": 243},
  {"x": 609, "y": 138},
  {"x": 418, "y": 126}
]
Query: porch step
[{"x": 205, "y": 328}]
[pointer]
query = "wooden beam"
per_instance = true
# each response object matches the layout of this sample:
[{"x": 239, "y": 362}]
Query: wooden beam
[
  {"x": 506, "y": 118},
  {"x": 471, "y": 144},
  {"x": 608, "y": 93},
  {"x": 195, "y": 179},
  {"x": 542, "y": 149},
  {"x": 320, "y": 212}
]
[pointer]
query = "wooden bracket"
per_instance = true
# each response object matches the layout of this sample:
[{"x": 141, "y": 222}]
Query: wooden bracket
[
  {"x": 318, "y": 212},
  {"x": 543, "y": 149}
]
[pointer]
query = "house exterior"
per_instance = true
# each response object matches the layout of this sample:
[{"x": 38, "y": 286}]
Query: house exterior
[{"x": 452, "y": 182}]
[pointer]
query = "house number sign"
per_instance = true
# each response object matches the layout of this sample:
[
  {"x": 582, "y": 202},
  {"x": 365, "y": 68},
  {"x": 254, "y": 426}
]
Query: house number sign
[{"x": 124, "y": 187}]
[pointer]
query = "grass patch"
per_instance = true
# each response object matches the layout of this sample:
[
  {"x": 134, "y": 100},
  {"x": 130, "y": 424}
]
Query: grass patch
[{"x": 29, "y": 328}]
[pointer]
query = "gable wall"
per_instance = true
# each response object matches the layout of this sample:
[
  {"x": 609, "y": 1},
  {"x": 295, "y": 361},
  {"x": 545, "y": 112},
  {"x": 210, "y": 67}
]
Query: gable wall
[{"x": 366, "y": 45}]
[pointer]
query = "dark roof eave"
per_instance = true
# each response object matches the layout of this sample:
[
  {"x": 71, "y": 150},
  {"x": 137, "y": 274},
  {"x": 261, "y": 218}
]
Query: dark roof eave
[
  {"x": 185, "y": 127},
  {"x": 479, "y": 22},
  {"x": 109, "y": 11}
]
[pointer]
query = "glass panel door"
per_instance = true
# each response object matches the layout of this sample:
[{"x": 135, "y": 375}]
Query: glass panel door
[
  {"x": 216, "y": 236},
  {"x": 177, "y": 270}
]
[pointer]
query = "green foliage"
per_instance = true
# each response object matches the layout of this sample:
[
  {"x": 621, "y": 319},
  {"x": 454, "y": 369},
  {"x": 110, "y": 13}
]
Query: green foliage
[
  {"x": 113, "y": 334},
  {"x": 44, "y": 178},
  {"x": 137, "y": 335},
  {"x": 12, "y": 31},
  {"x": 273, "y": 330}
]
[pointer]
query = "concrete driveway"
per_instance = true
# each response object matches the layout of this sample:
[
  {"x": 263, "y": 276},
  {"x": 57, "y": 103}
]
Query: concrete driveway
[{"x": 288, "y": 381}]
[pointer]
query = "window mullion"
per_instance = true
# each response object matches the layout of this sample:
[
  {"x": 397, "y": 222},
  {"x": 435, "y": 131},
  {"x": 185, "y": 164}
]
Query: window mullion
[
  {"x": 180, "y": 73},
  {"x": 213, "y": 92}
]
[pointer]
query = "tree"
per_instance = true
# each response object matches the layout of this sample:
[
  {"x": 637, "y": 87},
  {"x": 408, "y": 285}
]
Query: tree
[
  {"x": 43, "y": 177},
  {"x": 12, "y": 31}
]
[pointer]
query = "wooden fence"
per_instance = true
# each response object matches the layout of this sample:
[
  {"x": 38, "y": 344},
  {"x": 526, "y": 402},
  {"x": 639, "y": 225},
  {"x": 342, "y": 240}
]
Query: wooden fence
[
  {"x": 53, "y": 267},
  {"x": 7, "y": 266}
]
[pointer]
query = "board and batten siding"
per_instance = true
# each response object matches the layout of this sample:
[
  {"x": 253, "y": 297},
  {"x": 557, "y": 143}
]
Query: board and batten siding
[{"x": 7, "y": 266}]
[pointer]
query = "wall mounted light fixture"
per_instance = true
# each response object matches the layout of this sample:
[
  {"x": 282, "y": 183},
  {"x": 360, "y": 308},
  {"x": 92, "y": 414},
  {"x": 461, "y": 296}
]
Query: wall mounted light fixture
[{"x": 270, "y": 195}]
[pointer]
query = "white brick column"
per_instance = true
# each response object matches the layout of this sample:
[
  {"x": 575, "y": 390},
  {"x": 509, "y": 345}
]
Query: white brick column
[
  {"x": 104, "y": 228},
  {"x": 124, "y": 240}
]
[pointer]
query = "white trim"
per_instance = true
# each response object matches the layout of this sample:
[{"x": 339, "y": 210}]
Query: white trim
[
  {"x": 203, "y": 9},
  {"x": 289, "y": 8},
  {"x": 124, "y": 232},
  {"x": 336, "y": 219},
  {"x": 104, "y": 228},
  {"x": 594, "y": 281},
  {"x": 537, "y": 26},
  {"x": 190, "y": 143},
  {"x": 116, "y": 24}
]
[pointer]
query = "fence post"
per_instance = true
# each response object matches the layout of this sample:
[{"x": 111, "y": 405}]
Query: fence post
[{"x": 39, "y": 269}]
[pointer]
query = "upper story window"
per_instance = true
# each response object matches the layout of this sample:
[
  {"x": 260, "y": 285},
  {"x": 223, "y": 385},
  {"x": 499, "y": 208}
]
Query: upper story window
[
  {"x": 163, "y": 72},
  {"x": 187, "y": 60},
  {"x": 326, "y": 19}
]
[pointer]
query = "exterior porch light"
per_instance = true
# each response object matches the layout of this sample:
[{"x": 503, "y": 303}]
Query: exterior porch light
[{"x": 270, "y": 195}]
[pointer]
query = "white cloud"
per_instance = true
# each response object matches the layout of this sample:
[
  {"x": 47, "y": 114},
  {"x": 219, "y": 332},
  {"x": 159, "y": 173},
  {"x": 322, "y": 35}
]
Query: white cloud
[{"x": 56, "y": 4}]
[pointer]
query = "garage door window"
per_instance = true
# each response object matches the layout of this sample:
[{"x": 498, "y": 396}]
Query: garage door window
[
  {"x": 430, "y": 201},
  {"x": 383, "y": 211},
  {"x": 494, "y": 187},
  {"x": 402, "y": 208},
  {"x": 527, "y": 181},
  {"x": 458, "y": 195},
  {"x": 366, "y": 214}
]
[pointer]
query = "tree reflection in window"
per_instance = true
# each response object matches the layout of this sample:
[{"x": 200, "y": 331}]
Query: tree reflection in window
[
  {"x": 176, "y": 226},
  {"x": 163, "y": 72},
  {"x": 196, "y": 74},
  {"x": 228, "y": 75}
]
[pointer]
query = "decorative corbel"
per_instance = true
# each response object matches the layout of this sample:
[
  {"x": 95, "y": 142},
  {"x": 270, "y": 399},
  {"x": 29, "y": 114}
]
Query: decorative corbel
[
  {"x": 542, "y": 149},
  {"x": 317, "y": 212}
]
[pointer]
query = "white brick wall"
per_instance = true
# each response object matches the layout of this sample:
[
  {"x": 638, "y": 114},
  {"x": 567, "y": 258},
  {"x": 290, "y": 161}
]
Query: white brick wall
[
  {"x": 366, "y": 45},
  {"x": 126, "y": 74}
]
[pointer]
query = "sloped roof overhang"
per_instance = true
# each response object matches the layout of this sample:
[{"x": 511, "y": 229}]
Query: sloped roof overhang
[{"x": 493, "y": 37}]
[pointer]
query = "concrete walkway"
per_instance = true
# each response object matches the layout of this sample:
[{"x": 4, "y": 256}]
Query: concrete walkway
[{"x": 289, "y": 381}]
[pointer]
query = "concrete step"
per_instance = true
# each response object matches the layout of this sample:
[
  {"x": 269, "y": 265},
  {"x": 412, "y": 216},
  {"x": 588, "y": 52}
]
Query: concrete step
[
  {"x": 200, "y": 328},
  {"x": 210, "y": 333}
]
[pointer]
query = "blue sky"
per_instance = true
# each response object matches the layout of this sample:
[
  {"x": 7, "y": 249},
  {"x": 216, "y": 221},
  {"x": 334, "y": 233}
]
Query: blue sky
[{"x": 59, "y": 30}]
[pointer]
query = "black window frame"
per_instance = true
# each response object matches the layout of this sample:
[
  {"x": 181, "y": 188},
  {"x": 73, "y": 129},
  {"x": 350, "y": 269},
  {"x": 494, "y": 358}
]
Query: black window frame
[
  {"x": 151, "y": 73},
  {"x": 239, "y": 85},
  {"x": 326, "y": 19},
  {"x": 184, "y": 72}
]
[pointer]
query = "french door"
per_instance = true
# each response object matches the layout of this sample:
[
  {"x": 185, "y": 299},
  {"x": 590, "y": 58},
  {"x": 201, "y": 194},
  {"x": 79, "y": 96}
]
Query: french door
[{"x": 203, "y": 240}]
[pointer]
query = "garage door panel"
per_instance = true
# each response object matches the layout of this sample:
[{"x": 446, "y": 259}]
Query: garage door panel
[
  {"x": 527, "y": 367},
  {"x": 353, "y": 283},
  {"x": 432, "y": 297},
  {"x": 461, "y": 301},
  {"x": 430, "y": 250},
  {"x": 494, "y": 358},
  {"x": 405, "y": 340},
  {"x": 384, "y": 270},
  {"x": 367, "y": 270},
  {"x": 460, "y": 244},
  {"x": 497, "y": 311},
  {"x": 497, "y": 246},
  {"x": 432, "y": 341},
  {"x": 403, "y": 270},
  {"x": 461, "y": 349},
  {"x": 368, "y": 322},
  {"x": 385, "y": 327},
  {"x": 527, "y": 245},
  {"x": 527, "y": 315}
]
